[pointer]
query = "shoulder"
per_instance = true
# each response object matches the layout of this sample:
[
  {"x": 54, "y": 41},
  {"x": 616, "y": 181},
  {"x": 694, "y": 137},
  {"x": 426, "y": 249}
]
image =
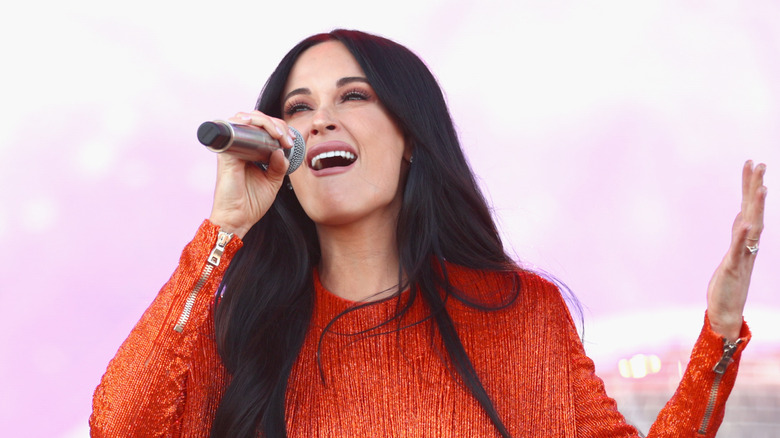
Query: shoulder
[
  {"x": 518, "y": 287},
  {"x": 514, "y": 310},
  {"x": 516, "y": 301}
]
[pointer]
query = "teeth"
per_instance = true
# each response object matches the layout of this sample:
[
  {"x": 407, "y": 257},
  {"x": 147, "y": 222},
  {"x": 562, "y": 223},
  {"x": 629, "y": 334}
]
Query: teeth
[{"x": 316, "y": 162}]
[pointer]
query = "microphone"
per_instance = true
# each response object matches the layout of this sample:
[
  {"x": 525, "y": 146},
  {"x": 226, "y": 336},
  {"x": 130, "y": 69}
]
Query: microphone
[{"x": 249, "y": 142}]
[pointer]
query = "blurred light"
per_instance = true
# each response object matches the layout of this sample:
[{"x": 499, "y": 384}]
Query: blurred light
[
  {"x": 655, "y": 363},
  {"x": 639, "y": 366},
  {"x": 39, "y": 215},
  {"x": 95, "y": 158}
]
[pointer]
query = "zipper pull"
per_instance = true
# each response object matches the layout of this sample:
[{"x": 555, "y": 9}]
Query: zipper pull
[
  {"x": 729, "y": 348},
  {"x": 214, "y": 258},
  {"x": 216, "y": 254}
]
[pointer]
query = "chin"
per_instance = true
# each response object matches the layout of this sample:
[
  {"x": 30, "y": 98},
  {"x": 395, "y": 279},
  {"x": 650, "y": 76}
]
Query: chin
[{"x": 334, "y": 215}]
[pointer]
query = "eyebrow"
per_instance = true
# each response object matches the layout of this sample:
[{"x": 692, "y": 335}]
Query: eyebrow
[
  {"x": 348, "y": 80},
  {"x": 340, "y": 83}
]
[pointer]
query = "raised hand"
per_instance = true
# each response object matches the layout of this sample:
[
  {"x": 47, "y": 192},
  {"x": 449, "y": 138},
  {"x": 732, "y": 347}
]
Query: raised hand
[{"x": 728, "y": 288}]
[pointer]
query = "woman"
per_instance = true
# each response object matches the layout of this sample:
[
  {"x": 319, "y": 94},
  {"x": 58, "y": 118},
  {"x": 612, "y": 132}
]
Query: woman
[{"x": 372, "y": 296}]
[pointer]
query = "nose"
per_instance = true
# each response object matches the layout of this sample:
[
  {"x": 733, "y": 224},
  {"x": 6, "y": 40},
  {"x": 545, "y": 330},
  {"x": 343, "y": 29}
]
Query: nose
[{"x": 322, "y": 121}]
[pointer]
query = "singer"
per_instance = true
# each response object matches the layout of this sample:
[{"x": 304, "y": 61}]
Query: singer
[{"x": 368, "y": 293}]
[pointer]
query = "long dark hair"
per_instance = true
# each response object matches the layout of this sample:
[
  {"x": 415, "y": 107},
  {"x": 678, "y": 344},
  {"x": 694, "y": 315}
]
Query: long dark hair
[{"x": 262, "y": 319}]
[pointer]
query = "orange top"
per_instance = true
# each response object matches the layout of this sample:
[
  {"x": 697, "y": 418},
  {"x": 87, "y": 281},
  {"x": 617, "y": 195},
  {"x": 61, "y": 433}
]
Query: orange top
[{"x": 528, "y": 356}]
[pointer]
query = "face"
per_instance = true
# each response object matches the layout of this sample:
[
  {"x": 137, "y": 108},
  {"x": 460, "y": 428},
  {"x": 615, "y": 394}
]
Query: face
[{"x": 354, "y": 163}]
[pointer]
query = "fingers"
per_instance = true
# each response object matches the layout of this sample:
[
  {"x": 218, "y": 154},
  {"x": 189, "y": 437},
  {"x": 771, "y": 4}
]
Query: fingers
[
  {"x": 747, "y": 173},
  {"x": 277, "y": 167},
  {"x": 753, "y": 198},
  {"x": 277, "y": 128},
  {"x": 751, "y": 219}
]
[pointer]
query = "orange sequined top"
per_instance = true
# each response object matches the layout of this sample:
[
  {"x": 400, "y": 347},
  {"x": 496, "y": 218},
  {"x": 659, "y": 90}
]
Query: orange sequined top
[{"x": 166, "y": 380}]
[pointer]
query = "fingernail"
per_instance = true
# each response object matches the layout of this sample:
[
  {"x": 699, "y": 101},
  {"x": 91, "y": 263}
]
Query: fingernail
[
  {"x": 279, "y": 130},
  {"x": 290, "y": 140},
  {"x": 244, "y": 117}
]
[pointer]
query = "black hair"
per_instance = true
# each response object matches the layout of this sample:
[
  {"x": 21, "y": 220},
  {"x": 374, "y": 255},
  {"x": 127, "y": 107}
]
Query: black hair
[{"x": 262, "y": 320}]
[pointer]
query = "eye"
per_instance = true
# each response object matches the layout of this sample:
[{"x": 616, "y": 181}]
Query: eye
[
  {"x": 355, "y": 94},
  {"x": 294, "y": 107}
]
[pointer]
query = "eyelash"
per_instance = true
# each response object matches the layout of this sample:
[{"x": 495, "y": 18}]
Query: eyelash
[
  {"x": 362, "y": 95},
  {"x": 297, "y": 105}
]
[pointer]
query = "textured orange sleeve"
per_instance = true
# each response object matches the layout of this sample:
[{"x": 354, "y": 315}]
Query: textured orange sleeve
[
  {"x": 551, "y": 388},
  {"x": 698, "y": 405},
  {"x": 147, "y": 389},
  {"x": 683, "y": 416},
  {"x": 595, "y": 414}
]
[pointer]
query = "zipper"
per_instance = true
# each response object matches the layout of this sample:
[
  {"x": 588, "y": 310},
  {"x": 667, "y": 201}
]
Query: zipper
[
  {"x": 729, "y": 348},
  {"x": 212, "y": 262}
]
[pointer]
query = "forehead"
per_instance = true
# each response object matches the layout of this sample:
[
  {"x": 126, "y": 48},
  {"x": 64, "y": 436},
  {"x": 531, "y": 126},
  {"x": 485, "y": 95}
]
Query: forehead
[{"x": 322, "y": 65}]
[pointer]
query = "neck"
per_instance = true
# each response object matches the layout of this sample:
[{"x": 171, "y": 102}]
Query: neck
[{"x": 359, "y": 262}]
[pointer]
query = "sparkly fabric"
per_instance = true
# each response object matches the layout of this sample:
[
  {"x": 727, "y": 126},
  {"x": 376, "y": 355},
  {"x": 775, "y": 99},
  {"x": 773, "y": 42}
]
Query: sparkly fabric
[{"x": 389, "y": 382}]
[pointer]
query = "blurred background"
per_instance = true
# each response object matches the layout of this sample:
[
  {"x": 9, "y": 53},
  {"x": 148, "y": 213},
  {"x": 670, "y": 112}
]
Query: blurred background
[{"x": 609, "y": 137}]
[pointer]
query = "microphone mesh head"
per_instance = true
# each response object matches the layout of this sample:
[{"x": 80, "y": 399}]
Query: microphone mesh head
[{"x": 296, "y": 154}]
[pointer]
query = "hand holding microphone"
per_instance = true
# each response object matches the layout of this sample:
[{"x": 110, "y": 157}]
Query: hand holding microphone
[{"x": 244, "y": 192}]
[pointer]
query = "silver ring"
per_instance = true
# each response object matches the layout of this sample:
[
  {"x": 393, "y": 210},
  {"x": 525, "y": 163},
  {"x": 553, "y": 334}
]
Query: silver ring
[{"x": 753, "y": 249}]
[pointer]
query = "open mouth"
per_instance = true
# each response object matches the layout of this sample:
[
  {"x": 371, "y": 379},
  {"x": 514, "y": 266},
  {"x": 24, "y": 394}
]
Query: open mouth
[{"x": 330, "y": 159}]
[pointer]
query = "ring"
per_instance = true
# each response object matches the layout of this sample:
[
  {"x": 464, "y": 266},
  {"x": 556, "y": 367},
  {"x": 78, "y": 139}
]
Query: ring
[{"x": 753, "y": 249}]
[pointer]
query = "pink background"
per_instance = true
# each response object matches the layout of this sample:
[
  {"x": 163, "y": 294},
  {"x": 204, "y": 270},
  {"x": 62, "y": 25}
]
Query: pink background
[{"x": 609, "y": 138}]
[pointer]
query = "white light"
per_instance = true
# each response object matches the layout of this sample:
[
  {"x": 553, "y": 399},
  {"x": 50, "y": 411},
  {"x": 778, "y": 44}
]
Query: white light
[
  {"x": 625, "y": 368},
  {"x": 39, "y": 215},
  {"x": 95, "y": 158},
  {"x": 639, "y": 366},
  {"x": 655, "y": 363}
]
